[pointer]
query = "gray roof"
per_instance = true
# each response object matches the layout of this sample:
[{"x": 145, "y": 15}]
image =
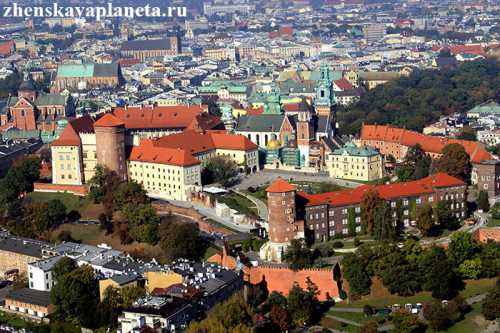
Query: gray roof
[
  {"x": 150, "y": 44},
  {"x": 122, "y": 279},
  {"x": 323, "y": 124},
  {"x": 106, "y": 70},
  {"x": 47, "y": 264},
  {"x": 30, "y": 296},
  {"x": 51, "y": 99},
  {"x": 23, "y": 246},
  {"x": 260, "y": 123}
]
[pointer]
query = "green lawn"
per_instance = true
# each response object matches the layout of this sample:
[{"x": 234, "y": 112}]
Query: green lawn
[
  {"x": 317, "y": 187},
  {"x": 72, "y": 202},
  {"x": 87, "y": 234},
  {"x": 471, "y": 322},
  {"x": 493, "y": 222},
  {"x": 354, "y": 316},
  {"x": 86, "y": 208},
  {"x": 472, "y": 288},
  {"x": 239, "y": 203},
  {"x": 211, "y": 251},
  {"x": 259, "y": 193}
]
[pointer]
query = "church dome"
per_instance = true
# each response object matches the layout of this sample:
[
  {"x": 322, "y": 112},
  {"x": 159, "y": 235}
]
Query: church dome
[
  {"x": 273, "y": 144},
  {"x": 27, "y": 85}
]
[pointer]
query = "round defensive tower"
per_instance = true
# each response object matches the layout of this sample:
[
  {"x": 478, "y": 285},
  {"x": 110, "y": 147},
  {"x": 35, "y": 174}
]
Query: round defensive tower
[
  {"x": 281, "y": 218},
  {"x": 110, "y": 144}
]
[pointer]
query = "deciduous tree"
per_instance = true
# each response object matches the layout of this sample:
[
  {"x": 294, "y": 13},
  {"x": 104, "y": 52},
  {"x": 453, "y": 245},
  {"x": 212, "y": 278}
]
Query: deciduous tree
[
  {"x": 425, "y": 219},
  {"x": 369, "y": 203},
  {"x": 483, "y": 201},
  {"x": 455, "y": 161},
  {"x": 181, "y": 240},
  {"x": 298, "y": 255},
  {"x": 491, "y": 304}
]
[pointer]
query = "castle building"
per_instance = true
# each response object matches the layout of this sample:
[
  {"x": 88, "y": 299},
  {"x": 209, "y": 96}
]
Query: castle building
[
  {"x": 110, "y": 144},
  {"x": 396, "y": 141},
  {"x": 487, "y": 177},
  {"x": 351, "y": 162},
  {"x": 169, "y": 167},
  {"x": 320, "y": 217},
  {"x": 283, "y": 224}
]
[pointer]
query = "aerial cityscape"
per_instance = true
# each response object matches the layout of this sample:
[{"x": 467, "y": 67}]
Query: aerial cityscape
[{"x": 250, "y": 166}]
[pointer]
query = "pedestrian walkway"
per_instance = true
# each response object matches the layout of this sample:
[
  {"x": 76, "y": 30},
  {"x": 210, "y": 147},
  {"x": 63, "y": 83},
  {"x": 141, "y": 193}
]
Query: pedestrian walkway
[
  {"x": 210, "y": 213},
  {"x": 261, "y": 206}
]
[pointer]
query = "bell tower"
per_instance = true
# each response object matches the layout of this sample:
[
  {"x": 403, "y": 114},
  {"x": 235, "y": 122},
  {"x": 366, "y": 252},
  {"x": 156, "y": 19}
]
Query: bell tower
[
  {"x": 325, "y": 100},
  {"x": 305, "y": 134}
]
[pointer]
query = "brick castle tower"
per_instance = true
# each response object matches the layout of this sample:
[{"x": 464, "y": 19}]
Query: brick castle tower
[
  {"x": 110, "y": 144},
  {"x": 282, "y": 219}
]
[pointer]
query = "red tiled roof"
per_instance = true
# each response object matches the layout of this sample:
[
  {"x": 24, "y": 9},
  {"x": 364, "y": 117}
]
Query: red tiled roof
[
  {"x": 280, "y": 185},
  {"x": 471, "y": 49},
  {"x": 388, "y": 191},
  {"x": 458, "y": 49},
  {"x": 125, "y": 62},
  {"x": 6, "y": 47},
  {"x": 196, "y": 142},
  {"x": 83, "y": 124},
  {"x": 109, "y": 120},
  {"x": 171, "y": 116},
  {"x": 148, "y": 152},
  {"x": 179, "y": 148},
  {"x": 255, "y": 111},
  {"x": 430, "y": 144},
  {"x": 69, "y": 137},
  {"x": 343, "y": 84}
]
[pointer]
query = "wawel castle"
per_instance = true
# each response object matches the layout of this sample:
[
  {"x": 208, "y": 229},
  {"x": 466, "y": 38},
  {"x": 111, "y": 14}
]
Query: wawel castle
[{"x": 163, "y": 148}]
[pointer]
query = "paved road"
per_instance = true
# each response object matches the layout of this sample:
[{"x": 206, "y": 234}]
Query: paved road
[
  {"x": 351, "y": 310},
  {"x": 343, "y": 320},
  {"x": 266, "y": 176},
  {"x": 210, "y": 213},
  {"x": 261, "y": 206}
]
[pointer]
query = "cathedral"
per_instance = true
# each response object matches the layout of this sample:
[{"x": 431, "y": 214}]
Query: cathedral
[
  {"x": 31, "y": 110},
  {"x": 294, "y": 135}
]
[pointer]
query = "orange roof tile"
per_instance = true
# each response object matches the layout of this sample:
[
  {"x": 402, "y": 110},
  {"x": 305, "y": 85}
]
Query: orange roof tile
[
  {"x": 69, "y": 137},
  {"x": 109, "y": 120},
  {"x": 6, "y": 47},
  {"x": 197, "y": 142},
  {"x": 430, "y": 144},
  {"x": 279, "y": 185},
  {"x": 179, "y": 148},
  {"x": 171, "y": 116},
  {"x": 148, "y": 152},
  {"x": 388, "y": 191},
  {"x": 343, "y": 84}
]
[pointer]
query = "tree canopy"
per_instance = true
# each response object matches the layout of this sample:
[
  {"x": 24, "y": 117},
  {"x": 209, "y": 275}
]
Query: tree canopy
[
  {"x": 455, "y": 162},
  {"x": 415, "y": 101}
]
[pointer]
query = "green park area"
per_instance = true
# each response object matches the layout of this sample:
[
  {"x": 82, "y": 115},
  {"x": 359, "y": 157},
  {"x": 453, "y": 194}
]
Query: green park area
[
  {"x": 472, "y": 288},
  {"x": 84, "y": 206},
  {"x": 473, "y": 320},
  {"x": 239, "y": 203}
]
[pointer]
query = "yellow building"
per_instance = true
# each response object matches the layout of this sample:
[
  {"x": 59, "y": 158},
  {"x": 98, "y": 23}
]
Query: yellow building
[
  {"x": 351, "y": 162},
  {"x": 170, "y": 167},
  {"x": 166, "y": 279},
  {"x": 373, "y": 79},
  {"x": 165, "y": 173},
  {"x": 117, "y": 282}
]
